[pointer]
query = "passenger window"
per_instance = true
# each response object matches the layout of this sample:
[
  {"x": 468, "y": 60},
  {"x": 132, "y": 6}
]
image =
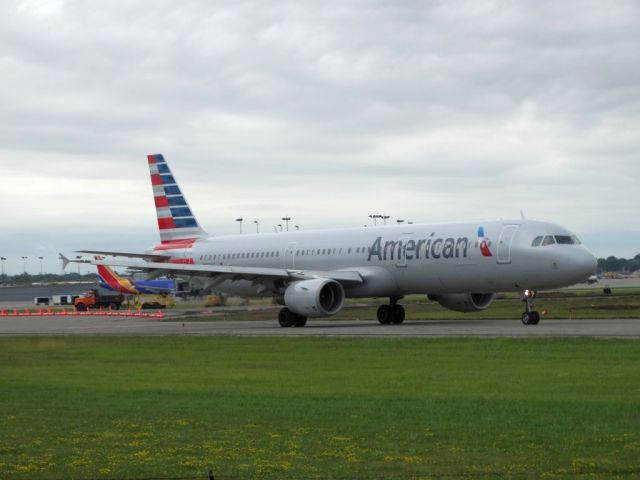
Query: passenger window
[
  {"x": 536, "y": 241},
  {"x": 358, "y": 250},
  {"x": 564, "y": 240},
  {"x": 349, "y": 251},
  {"x": 548, "y": 240}
]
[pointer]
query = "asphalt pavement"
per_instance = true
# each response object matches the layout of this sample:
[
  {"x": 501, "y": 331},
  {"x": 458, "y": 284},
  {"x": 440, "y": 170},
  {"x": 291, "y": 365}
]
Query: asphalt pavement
[{"x": 103, "y": 325}]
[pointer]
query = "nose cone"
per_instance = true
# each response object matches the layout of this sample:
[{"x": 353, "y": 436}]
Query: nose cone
[{"x": 583, "y": 265}]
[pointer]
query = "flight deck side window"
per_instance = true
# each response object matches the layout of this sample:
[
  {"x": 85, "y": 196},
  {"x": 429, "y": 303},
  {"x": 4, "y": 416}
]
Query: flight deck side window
[
  {"x": 548, "y": 240},
  {"x": 536, "y": 241}
]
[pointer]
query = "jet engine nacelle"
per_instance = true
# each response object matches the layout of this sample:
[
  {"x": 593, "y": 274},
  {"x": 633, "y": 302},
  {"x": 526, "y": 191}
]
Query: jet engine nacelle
[
  {"x": 464, "y": 302},
  {"x": 319, "y": 297}
]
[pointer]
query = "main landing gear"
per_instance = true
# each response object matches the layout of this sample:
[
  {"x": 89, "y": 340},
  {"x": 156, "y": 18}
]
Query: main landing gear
[
  {"x": 392, "y": 313},
  {"x": 530, "y": 316},
  {"x": 287, "y": 318}
]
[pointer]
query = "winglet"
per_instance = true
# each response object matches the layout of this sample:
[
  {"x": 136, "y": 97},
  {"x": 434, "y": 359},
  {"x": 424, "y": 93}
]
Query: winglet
[{"x": 65, "y": 261}]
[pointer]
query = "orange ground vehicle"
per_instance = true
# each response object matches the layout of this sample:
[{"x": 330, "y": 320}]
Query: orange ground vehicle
[{"x": 94, "y": 299}]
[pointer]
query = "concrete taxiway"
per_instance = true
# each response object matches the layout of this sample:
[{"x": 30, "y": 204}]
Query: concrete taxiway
[{"x": 46, "y": 326}]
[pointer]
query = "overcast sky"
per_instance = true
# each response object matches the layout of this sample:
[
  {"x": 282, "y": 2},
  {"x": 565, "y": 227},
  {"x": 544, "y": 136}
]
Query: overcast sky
[{"x": 324, "y": 111}]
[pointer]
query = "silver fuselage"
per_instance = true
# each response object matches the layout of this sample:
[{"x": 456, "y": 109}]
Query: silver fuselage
[{"x": 407, "y": 259}]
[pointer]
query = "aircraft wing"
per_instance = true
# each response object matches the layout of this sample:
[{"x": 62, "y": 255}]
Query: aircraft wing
[
  {"x": 220, "y": 273},
  {"x": 152, "y": 257}
]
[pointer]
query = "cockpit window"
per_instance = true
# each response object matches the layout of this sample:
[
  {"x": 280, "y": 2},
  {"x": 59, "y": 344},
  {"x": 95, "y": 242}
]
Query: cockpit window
[
  {"x": 576, "y": 240},
  {"x": 548, "y": 240},
  {"x": 536, "y": 241},
  {"x": 564, "y": 240}
]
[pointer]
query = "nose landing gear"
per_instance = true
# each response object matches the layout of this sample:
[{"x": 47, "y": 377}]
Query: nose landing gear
[{"x": 530, "y": 316}]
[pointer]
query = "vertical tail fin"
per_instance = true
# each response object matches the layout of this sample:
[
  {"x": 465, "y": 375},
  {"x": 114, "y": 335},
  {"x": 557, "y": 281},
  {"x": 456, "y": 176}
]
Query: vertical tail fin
[
  {"x": 175, "y": 219},
  {"x": 112, "y": 281}
]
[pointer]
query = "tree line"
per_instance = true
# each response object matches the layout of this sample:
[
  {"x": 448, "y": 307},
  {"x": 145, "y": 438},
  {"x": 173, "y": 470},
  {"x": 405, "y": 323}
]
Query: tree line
[{"x": 615, "y": 264}]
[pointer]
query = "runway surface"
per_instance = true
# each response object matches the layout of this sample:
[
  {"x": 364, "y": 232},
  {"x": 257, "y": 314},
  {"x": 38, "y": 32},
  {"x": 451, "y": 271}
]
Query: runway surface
[{"x": 13, "y": 326}]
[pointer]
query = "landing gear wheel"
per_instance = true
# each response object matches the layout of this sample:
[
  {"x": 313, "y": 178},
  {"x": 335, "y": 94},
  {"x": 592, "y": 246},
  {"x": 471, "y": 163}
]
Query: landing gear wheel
[
  {"x": 286, "y": 318},
  {"x": 384, "y": 314},
  {"x": 397, "y": 314},
  {"x": 530, "y": 316},
  {"x": 300, "y": 321},
  {"x": 534, "y": 318}
]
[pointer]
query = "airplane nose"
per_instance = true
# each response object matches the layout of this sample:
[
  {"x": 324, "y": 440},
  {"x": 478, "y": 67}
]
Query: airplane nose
[{"x": 584, "y": 264}]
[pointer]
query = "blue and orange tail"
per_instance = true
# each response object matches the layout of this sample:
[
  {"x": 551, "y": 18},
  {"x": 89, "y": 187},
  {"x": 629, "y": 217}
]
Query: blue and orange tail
[
  {"x": 176, "y": 222},
  {"x": 112, "y": 281}
]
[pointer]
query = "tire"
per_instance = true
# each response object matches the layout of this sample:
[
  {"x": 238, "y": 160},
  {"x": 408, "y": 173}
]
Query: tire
[
  {"x": 146, "y": 306},
  {"x": 114, "y": 306},
  {"x": 535, "y": 318},
  {"x": 397, "y": 314},
  {"x": 526, "y": 318},
  {"x": 384, "y": 314},
  {"x": 81, "y": 307},
  {"x": 300, "y": 321},
  {"x": 286, "y": 318}
]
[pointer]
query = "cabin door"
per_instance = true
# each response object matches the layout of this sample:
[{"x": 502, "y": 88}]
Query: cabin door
[{"x": 504, "y": 243}]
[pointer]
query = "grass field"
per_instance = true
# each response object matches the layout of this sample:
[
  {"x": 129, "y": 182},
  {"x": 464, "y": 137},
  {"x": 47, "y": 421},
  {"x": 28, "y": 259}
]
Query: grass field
[{"x": 319, "y": 408}]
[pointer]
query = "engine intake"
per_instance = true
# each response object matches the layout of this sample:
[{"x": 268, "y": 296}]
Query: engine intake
[
  {"x": 464, "y": 302},
  {"x": 319, "y": 297}
]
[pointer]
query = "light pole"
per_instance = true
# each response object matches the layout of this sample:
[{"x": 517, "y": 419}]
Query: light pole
[
  {"x": 280, "y": 225},
  {"x": 257, "y": 226},
  {"x": 375, "y": 219},
  {"x": 384, "y": 218},
  {"x": 239, "y": 220},
  {"x": 24, "y": 264},
  {"x": 286, "y": 221},
  {"x": 40, "y": 258},
  {"x": 78, "y": 257},
  {"x": 3, "y": 259},
  {"x": 398, "y": 221}
]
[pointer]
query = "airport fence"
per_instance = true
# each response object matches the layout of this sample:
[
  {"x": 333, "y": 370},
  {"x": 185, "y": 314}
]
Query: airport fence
[{"x": 72, "y": 312}]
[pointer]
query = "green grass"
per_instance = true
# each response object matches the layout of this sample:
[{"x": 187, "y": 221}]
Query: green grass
[{"x": 333, "y": 408}]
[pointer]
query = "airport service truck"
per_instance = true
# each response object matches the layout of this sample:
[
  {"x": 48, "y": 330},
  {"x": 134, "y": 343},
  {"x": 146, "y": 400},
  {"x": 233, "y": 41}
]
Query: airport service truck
[{"x": 94, "y": 299}]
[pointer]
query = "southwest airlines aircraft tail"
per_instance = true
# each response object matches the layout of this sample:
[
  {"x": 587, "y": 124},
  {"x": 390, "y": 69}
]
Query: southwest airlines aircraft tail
[
  {"x": 112, "y": 281},
  {"x": 310, "y": 273}
]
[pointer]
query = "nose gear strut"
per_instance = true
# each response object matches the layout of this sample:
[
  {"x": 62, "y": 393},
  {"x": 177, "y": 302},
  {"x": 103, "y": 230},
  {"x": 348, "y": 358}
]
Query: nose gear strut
[{"x": 530, "y": 316}]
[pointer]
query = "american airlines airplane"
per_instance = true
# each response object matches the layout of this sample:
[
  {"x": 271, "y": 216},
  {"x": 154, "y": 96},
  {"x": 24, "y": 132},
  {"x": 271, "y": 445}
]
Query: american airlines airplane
[{"x": 311, "y": 273}]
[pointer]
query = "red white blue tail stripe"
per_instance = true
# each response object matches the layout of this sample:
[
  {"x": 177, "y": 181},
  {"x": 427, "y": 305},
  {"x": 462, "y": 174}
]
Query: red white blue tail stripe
[{"x": 177, "y": 224}]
